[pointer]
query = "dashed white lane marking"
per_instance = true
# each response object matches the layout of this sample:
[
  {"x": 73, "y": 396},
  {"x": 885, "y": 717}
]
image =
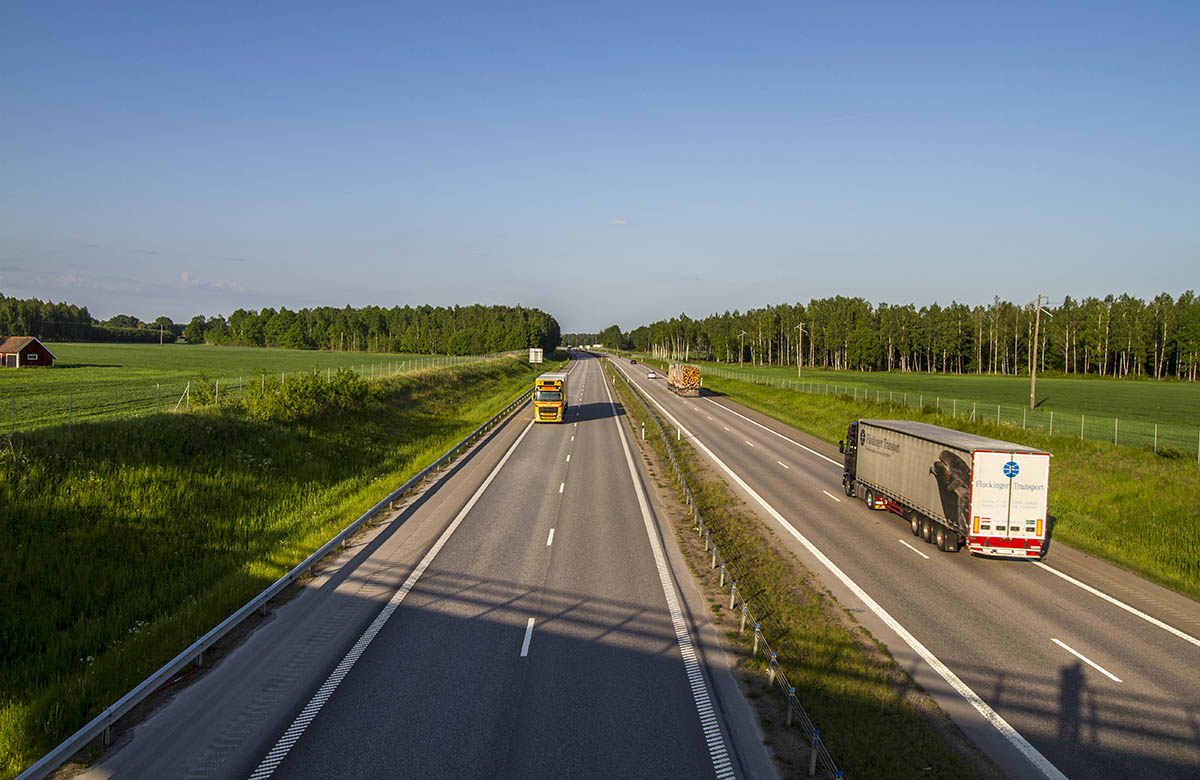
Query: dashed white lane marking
[
  {"x": 914, "y": 549},
  {"x": 710, "y": 416},
  {"x": 572, "y": 438},
  {"x": 1086, "y": 660},
  {"x": 1132, "y": 610},
  {"x": 550, "y": 538},
  {"x": 831, "y": 495},
  {"x": 290, "y": 737},
  {"x": 568, "y": 459},
  {"x": 561, "y": 485},
  {"x": 991, "y": 716},
  {"x": 777, "y": 433},
  {"x": 717, "y": 751},
  {"x": 726, "y": 427},
  {"x": 781, "y": 463},
  {"x": 748, "y": 442},
  {"x": 528, "y": 636}
]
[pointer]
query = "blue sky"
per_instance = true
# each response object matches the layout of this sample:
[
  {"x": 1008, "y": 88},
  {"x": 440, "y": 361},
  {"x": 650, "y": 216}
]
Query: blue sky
[{"x": 606, "y": 162}]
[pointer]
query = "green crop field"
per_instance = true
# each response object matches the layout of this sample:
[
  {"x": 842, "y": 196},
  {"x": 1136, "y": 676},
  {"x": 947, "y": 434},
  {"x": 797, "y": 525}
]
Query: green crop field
[
  {"x": 116, "y": 381},
  {"x": 1160, "y": 416}
]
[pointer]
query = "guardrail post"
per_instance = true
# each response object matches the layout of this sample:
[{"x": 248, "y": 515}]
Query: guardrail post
[
  {"x": 713, "y": 565},
  {"x": 107, "y": 737},
  {"x": 757, "y": 634},
  {"x": 771, "y": 670},
  {"x": 791, "y": 700},
  {"x": 706, "y": 541},
  {"x": 812, "y": 756},
  {"x": 722, "y": 574},
  {"x": 745, "y": 609},
  {"x": 733, "y": 599},
  {"x": 643, "y": 431}
]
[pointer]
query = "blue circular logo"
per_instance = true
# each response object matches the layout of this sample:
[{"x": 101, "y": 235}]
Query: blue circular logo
[{"x": 1011, "y": 469}]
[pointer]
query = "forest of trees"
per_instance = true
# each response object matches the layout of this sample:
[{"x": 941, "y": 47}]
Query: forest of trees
[
  {"x": 461, "y": 330},
  {"x": 1111, "y": 336}
]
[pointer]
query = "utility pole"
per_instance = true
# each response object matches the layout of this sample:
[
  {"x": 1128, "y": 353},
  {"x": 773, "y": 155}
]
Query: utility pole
[
  {"x": 799, "y": 347},
  {"x": 1037, "y": 321},
  {"x": 741, "y": 348}
]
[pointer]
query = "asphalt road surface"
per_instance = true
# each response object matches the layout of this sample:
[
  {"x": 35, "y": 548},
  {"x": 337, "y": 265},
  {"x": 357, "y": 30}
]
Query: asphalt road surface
[
  {"x": 1065, "y": 667},
  {"x": 520, "y": 619}
]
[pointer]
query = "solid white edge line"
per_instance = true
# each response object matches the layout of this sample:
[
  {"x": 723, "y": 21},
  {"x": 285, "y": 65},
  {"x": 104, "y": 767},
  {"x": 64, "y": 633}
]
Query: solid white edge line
[
  {"x": 528, "y": 636},
  {"x": 550, "y": 538},
  {"x": 1086, "y": 660},
  {"x": 991, "y": 716},
  {"x": 914, "y": 549},
  {"x": 290, "y": 737},
  {"x": 781, "y": 463},
  {"x": 777, "y": 433},
  {"x": 1131, "y": 610},
  {"x": 715, "y": 740}
]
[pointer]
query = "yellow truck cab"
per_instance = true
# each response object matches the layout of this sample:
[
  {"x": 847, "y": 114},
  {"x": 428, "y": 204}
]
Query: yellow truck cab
[{"x": 550, "y": 398}]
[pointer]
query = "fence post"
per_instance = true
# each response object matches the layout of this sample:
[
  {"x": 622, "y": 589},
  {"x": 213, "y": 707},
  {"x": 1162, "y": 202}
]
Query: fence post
[
  {"x": 812, "y": 756},
  {"x": 757, "y": 634},
  {"x": 733, "y": 598},
  {"x": 1156, "y": 443},
  {"x": 722, "y": 574},
  {"x": 1082, "y": 417},
  {"x": 714, "y": 557},
  {"x": 706, "y": 540},
  {"x": 771, "y": 670},
  {"x": 1051, "y": 422},
  {"x": 745, "y": 609},
  {"x": 791, "y": 698},
  {"x": 1116, "y": 426}
]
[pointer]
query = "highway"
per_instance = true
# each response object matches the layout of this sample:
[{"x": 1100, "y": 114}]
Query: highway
[
  {"x": 1067, "y": 667},
  {"x": 521, "y": 618}
]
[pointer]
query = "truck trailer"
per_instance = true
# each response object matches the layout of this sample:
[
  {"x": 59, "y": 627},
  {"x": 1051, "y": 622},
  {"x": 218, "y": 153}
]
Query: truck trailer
[
  {"x": 952, "y": 488},
  {"x": 683, "y": 379},
  {"x": 550, "y": 398}
]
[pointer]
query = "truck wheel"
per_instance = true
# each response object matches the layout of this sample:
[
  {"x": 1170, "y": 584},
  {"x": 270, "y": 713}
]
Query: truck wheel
[
  {"x": 848, "y": 486},
  {"x": 940, "y": 537},
  {"x": 870, "y": 498},
  {"x": 927, "y": 530},
  {"x": 914, "y": 521}
]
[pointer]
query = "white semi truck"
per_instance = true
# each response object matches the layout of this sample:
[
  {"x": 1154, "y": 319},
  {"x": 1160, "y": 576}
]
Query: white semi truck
[{"x": 953, "y": 488}]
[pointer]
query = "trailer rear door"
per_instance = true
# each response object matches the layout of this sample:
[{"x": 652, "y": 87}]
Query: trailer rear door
[{"x": 1008, "y": 495}]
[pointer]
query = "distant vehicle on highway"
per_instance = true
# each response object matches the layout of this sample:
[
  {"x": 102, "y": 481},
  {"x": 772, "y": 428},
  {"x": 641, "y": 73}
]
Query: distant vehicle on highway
[
  {"x": 651, "y": 375},
  {"x": 633, "y": 361}
]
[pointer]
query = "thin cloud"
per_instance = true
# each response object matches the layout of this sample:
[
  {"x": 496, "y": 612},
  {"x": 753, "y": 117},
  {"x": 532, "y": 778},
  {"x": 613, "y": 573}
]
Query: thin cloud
[
  {"x": 618, "y": 222},
  {"x": 189, "y": 282}
]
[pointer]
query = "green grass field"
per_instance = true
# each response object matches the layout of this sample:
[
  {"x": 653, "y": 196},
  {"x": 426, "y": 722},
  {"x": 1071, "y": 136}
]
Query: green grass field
[
  {"x": 95, "y": 382},
  {"x": 121, "y": 542},
  {"x": 1122, "y": 411}
]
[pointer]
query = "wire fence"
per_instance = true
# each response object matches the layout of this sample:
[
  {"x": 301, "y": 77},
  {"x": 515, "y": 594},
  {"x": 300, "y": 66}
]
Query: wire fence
[
  {"x": 1161, "y": 438},
  {"x": 120, "y": 400},
  {"x": 819, "y": 757}
]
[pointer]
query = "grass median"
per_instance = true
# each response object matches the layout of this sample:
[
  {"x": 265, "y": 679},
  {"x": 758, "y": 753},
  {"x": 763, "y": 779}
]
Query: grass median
[
  {"x": 875, "y": 722},
  {"x": 121, "y": 543}
]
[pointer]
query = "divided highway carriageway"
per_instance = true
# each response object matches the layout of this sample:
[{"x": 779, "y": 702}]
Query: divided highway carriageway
[
  {"x": 522, "y": 617},
  {"x": 1066, "y": 667}
]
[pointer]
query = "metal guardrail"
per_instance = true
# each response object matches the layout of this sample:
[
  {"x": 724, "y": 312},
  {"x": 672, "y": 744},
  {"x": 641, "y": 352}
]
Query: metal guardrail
[
  {"x": 818, "y": 754},
  {"x": 102, "y": 723}
]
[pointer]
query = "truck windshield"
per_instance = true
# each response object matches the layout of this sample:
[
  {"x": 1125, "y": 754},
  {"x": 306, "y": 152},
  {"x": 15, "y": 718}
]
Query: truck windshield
[{"x": 549, "y": 395}]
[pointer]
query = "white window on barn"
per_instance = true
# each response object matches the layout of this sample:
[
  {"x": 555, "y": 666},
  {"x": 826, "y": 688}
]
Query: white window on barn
[{"x": 31, "y": 356}]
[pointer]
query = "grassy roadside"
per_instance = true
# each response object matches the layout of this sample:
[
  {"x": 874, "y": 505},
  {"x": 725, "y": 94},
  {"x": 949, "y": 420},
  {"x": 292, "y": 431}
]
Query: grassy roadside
[
  {"x": 120, "y": 543},
  {"x": 876, "y": 723},
  {"x": 1129, "y": 507}
]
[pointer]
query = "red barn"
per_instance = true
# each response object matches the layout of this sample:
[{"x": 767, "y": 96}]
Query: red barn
[{"x": 17, "y": 351}]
